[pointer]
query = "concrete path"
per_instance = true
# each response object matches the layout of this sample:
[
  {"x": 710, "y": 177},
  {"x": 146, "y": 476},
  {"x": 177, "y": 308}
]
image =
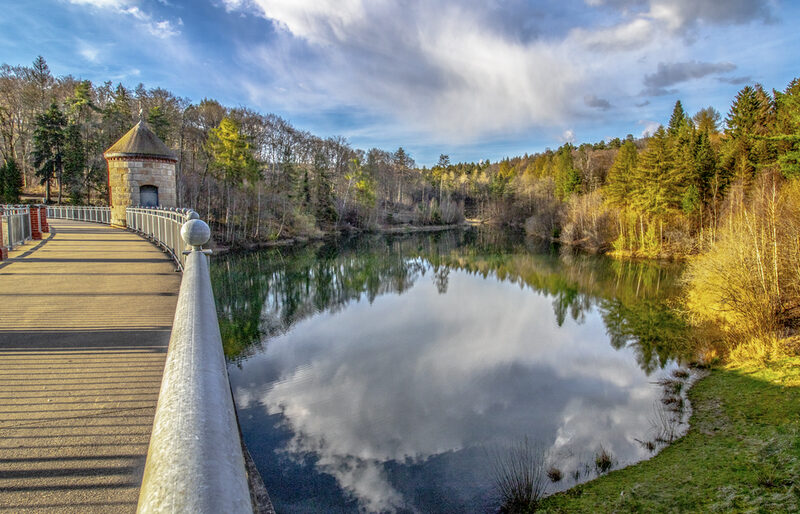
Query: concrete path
[{"x": 85, "y": 319}]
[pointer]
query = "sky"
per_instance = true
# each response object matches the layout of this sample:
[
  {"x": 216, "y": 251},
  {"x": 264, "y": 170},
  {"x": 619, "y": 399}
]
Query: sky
[{"x": 474, "y": 79}]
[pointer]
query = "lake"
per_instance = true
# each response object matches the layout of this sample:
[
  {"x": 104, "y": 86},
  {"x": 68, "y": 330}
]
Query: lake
[{"x": 389, "y": 373}]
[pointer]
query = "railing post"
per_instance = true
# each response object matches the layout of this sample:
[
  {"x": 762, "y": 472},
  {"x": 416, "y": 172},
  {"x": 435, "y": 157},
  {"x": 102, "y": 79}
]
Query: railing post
[
  {"x": 26, "y": 224},
  {"x": 195, "y": 462},
  {"x": 3, "y": 249}
]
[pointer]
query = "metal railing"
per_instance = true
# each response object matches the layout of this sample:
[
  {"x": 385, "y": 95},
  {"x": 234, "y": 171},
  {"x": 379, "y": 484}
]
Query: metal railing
[
  {"x": 162, "y": 226},
  {"x": 16, "y": 221},
  {"x": 195, "y": 461},
  {"x": 80, "y": 213}
]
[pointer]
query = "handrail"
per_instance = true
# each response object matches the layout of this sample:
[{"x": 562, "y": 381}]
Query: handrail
[
  {"x": 17, "y": 225},
  {"x": 160, "y": 225},
  {"x": 93, "y": 213},
  {"x": 195, "y": 461}
]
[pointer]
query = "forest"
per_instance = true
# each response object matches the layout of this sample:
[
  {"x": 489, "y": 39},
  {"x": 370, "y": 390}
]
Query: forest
[{"x": 722, "y": 191}]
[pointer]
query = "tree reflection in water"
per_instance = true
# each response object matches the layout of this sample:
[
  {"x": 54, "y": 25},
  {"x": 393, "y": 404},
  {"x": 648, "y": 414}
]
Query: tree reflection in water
[
  {"x": 264, "y": 293},
  {"x": 370, "y": 373}
]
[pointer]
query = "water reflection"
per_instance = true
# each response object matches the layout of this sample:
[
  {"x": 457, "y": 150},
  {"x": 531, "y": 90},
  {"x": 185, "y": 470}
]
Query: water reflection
[{"x": 372, "y": 373}]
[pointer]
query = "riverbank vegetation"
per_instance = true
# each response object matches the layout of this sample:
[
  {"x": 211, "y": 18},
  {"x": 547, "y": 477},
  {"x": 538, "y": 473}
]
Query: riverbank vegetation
[{"x": 742, "y": 453}]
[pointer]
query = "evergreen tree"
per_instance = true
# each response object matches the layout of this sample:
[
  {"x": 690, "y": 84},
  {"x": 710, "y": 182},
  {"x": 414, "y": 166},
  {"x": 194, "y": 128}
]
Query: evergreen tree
[
  {"x": 42, "y": 80},
  {"x": 677, "y": 120},
  {"x": 706, "y": 165},
  {"x": 788, "y": 129},
  {"x": 682, "y": 149},
  {"x": 567, "y": 176},
  {"x": 231, "y": 161},
  {"x": 749, "y": 121},
  {"x": 157, "y": 119},
  {"x": 74, "y": 162},
  {"x": 48, "y": 148},
  {"x": 118, "y": 116},
  {"x": 655, "y": 189},
  {"x": 10, "y": 182},
  {"x": 620, "y": 176},
  {"x": 80, "y": 101},
  {"x": 325, "y": 209}
]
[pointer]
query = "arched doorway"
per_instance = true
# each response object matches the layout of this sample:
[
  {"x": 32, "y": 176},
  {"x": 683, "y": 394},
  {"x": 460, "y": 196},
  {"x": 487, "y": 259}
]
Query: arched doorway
[{"x": 148, "y": 196}]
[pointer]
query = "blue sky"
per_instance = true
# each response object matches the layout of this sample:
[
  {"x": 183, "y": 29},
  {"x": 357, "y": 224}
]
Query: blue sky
[{"x": 474, "y": 79}]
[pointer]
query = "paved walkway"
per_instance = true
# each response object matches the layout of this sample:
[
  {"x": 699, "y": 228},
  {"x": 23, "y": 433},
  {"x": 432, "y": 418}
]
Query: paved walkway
[{"x": 85, "y": 319}]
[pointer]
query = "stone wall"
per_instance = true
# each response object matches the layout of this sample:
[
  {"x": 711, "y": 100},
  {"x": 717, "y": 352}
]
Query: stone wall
[{"x": 126, "y": 175}]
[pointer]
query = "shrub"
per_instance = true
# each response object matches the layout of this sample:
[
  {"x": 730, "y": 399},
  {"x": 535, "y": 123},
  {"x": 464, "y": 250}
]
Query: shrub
[
  {"x": 748, "y": 283},
  {"x": 603, "y": 461},
  {"x": 520, "y": 478}
]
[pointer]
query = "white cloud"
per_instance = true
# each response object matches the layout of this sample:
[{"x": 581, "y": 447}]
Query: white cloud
[
  {"x": 161, "y": 29},
  {"x": 626, "y": 36},
  {"x": 650, "y": 127},
  {"x": 568, "y": 136},
  {"x": 103, "y": 4},
  {"x": 437, "y": 68},
  {"x": 88, "y": 51},
  {"x": 459, "y": 71}
]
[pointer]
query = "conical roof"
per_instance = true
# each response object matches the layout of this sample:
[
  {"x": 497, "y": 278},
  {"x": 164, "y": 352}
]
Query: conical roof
[{"x": 140, "y": 141}]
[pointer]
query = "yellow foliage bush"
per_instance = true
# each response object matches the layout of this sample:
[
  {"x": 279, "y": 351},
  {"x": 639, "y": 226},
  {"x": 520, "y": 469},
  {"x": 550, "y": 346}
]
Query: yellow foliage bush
[{"x": 747, "y": 285}]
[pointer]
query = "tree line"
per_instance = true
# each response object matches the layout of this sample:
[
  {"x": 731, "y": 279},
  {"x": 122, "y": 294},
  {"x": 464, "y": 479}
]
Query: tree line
[
  {"x": 256, "y": 177},
  {"x": 253, "y": 176}
]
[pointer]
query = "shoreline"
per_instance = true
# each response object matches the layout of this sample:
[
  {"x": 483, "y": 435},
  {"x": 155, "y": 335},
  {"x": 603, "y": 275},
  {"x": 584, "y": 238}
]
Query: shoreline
[
  {"x": 220, "y": 249},
  {"x": 737, "y": 454}
]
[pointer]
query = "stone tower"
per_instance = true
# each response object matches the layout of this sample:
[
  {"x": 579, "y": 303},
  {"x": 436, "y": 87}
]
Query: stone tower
[{"x": 141, "y": 171}]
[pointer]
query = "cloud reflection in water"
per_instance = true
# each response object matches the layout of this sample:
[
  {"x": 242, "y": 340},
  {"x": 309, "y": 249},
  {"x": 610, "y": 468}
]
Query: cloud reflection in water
[{"x": 397, "y": 398}]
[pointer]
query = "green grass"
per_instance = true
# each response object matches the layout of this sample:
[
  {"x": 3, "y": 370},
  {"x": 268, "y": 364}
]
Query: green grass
[{"x": 741, "y": 454}]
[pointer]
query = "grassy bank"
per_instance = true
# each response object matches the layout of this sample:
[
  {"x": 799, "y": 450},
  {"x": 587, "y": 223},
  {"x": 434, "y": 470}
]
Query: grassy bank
[{"x": 742, "y": 452}]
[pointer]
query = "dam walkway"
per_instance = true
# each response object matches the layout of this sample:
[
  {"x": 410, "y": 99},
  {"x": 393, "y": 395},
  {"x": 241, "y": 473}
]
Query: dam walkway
[{"x": 85, "y": 321}]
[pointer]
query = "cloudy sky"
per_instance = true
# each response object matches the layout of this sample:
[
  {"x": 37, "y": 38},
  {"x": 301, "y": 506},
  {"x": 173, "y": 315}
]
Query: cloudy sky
[{"x": 472, "y": 78}]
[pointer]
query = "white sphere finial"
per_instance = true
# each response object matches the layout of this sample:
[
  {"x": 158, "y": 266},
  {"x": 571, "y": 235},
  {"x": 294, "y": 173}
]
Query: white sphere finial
[
  {"x": 195, "y": 233},
  {"x": 191, "y": 215}
]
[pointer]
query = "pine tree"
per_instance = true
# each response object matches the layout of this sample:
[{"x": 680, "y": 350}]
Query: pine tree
[
  {"x": 48, "y": 148},
  {"x": 619, "y": 181},
  {"x": 157, "y": 119},
  {"x": 74, "y": 162},
  {"x": 567, "y": 176},
  {"x": 655, "y": 189},
  {"x": 117, "y": 116},
  {"x": 325, "y": 210},
  {"x": 788, "y": 129},
  {"x": 677, "y": 120},
  {"x": 682, "y": 149},
  {"x": 10, "y": 182},
  {"x": 706, "y": 165},
  {"x": 749, "y": 121},
  {"x": 42, "y": 79}
]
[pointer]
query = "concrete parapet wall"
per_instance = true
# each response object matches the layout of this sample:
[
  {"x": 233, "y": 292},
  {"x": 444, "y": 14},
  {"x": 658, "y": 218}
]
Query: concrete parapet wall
[{"x": 195, "y": 462}]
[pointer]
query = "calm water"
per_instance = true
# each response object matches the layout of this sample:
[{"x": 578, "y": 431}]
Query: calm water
[{"x": 385, "y": 374}]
